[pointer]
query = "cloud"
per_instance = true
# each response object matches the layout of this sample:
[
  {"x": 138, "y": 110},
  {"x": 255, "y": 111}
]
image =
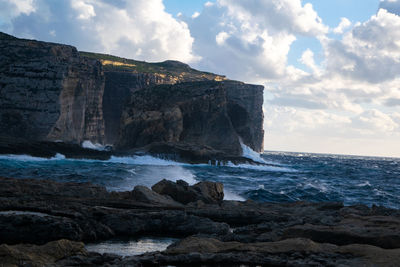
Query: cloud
[
  {"x": 343, "y": 25},
  {"x": 141, "y": 29},
  {"x": 9, "y": 9},
  {"x": 85, "y": 10},
  {"x": 367, "y": 52},
  {"x": 250, "y": 40},
  {"x": 393, "y": 6}
]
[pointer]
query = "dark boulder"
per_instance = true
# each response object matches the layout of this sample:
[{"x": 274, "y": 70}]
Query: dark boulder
[
  {"x": 144, "y": 194},
  {"x": 208, "y": 192}
]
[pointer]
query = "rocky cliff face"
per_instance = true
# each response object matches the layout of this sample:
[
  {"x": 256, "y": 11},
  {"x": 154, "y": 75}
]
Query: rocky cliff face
[
  {"x": 119, "y": 86},
  {"x": 244, "y": 109},
  {"x": 52, "y": 92},
  {"x": 49, "y": 92},
  {"x": 208, "y": 114}
]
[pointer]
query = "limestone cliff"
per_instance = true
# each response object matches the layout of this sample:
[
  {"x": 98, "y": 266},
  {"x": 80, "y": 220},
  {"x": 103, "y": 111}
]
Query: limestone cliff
[
  {"x": 125, "y": 76},
  {"x": 52, "y": 92},
  {"x": 209, "y": 114},
  {"x": 49, "y": 92}
]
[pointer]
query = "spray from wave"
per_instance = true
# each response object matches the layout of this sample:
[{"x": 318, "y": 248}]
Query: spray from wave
[{"x": 89, "y": 145}]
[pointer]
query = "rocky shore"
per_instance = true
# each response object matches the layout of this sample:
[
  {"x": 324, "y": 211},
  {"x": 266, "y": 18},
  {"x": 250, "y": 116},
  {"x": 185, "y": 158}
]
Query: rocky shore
[{"x": 45, "y": 223}]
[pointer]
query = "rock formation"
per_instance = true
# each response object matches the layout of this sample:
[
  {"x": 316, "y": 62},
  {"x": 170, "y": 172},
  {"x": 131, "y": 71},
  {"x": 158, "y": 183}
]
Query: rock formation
[
  {"x": 48, "y": 92},
  {"x": 52, "y": 92},
  {"x": 213, "y": 233}
]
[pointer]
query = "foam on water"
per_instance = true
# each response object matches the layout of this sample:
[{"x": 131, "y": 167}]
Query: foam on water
[
  {"x": 260, "y": 167},
  {"x": 232, "y": 196},
  {"x": 90, "y": 145},
  {"x": 249, "y": 153},
  {"x": 28, "y": 158},
  {"x": 144, "y": 160}
]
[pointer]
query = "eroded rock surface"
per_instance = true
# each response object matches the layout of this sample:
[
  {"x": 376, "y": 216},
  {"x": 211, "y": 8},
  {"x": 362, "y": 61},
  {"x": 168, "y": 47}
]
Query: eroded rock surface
[
  {"x": 214, "y": 233},
  {"x": 48, "y": 92}
]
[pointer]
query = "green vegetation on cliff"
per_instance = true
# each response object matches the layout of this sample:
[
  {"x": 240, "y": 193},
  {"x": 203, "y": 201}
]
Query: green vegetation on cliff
[{"x": 167, "y": 68}]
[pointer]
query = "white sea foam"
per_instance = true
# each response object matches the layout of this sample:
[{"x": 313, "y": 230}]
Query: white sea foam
[
  {"x": 319, "y": 186},
  {"x": 88, "y": 144},
  {"x": 366, "y": 183},
  {"x": 249, "y": 153},
  {"x": 144, "y": 160},
  {"x": 232, "y": 196},
  {"x": 28, "y": 158},
  {"x": 260, "y": 167}
]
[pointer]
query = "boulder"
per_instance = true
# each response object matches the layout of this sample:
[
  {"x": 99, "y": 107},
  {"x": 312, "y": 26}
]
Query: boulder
[
  {"x": 178, "y": 191},
  {"x": 208, "y": 192},
  {"x": 144, "y": 194}
]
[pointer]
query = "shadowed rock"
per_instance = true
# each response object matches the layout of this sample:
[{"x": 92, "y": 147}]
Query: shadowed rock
[
  {"x": 231, "y": 233},
  {"x": 37, "y": 256},
  {"x": 208, "y": 192},
  {"x": 144, "y": 194}
]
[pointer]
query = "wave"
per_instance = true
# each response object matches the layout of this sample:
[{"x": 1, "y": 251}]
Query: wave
[
  {"x": 232, "y": 196},
  {"x": 249, "y": 153},
  {"x": 266, "y": 168},
  {"x": 145, "y": 160},
  {"x": 28, "y": 158}
]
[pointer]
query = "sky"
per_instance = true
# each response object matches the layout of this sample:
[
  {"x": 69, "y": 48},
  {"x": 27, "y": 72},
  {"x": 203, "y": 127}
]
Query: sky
[{"x": 331, "y": 68}]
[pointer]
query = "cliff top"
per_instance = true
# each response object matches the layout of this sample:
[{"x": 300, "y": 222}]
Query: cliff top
[
  {"x": 173, "y": 68},
  {"x": 4, "y": 36}
]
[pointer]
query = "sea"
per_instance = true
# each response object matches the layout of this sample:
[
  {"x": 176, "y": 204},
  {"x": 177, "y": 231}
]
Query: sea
[{"x": 283, "y": 177}]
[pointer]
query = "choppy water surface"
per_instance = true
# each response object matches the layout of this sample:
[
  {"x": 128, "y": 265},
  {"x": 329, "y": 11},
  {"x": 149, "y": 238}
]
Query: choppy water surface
[{"x": 292, "y": 176}]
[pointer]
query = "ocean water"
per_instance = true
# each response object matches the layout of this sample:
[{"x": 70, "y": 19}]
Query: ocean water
[{"x": 288, "y": 177}]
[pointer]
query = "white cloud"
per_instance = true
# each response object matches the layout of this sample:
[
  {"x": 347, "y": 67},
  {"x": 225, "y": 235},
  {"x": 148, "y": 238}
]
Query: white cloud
[
  {"x": 343, "y": 25},
  {"x": 139, "y": 29},
  {"x": 195, "y": 14},
  {"x": 23, "y": 6},
  {"x": 250, "y": 40},
  {"x": 307, "y": 58},
  {"x": 368, "y": 51},
  {"x": 85, "y": 10}
]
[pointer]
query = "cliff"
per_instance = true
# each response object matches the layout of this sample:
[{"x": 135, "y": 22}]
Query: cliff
[
  {"x": 207, "y": 114},
  {"x": 52, "y": 92},
  {"x": 125, "y": 76},
  {"x": 49, "y": 92}
]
